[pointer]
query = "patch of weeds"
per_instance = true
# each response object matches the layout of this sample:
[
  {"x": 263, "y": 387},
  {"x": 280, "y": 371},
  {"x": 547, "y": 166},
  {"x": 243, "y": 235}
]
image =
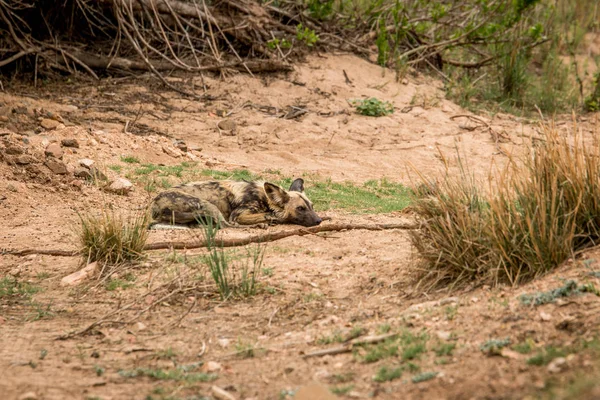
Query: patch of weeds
[
  {"x": 493, "y": 346},
  {"x": 166, "y": 354},
  {"x": 234, "y": 275},
  {"x": 341, "y": 390},
  {"x": 413, "y": 345},
  {"x": 98, "y": 370},
  {"x": 236, "y": 175},
  {"x": 42, "y": 276},
  {"x": 163, "y": 170},
  {"x": 544, "y": 356},
  {"x": 372, "y": 197},
  {"x": 306, "y": 35},
  {"x": 111, "y": 238},
  {"x": 380, "y": 351},
  {"x": 267, "y": 272},
  {"x": 451, "y": 312},
  {"x": 384, "y": 328},
  {"x": 281, "y": 43},
  {"x": 412, "y": 367},
  {"x": 525, "y": 347},
  {"x": 116, "y": 168},
  {"x": 336, "y": 337},
  {"x": 115, "y": 284},
  {"x": 43, "y": 353},
  {"x": 386, "y": 374},
  {"x": 355, "y": 332},
  {"x": 178, "y": 374},
  {"x": 286, "y": 393},
  {"x": 373, "y": 107},
  {"x": 245, "y": 350},
  {"x": 442, "y": 361},
  {"x": 425, "y": 376},
  {"x": 444, "y": 349},
  {"x": 343, "y": 378},
  {"x": 40, "y": 311},
  {"x": 570, "y": 288},
  {"x": 130, "y": 159},
  {"x": 11, "y": 288},
  {"x": 310, "y": 297}
]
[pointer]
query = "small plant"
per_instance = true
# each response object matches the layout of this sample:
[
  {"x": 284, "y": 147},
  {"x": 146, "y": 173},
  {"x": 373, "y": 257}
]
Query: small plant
[
  {"x": 570, "y": 288},
  {"x": 170, "y": 375},
  {"x": 320, "y": 9},
  {"x": 245, "y": 350},
  {"x": 114, "y": 284},
  {"x": 444, "y": 349},
  {"x": 386, "y": 349},
  {"x": 342, "y": 390},
  {"x": 493, "y": 346},
  {"x": 40, "y": 311},
  {"x": 130, "y": 159},
  {"x": 11, "y": 288},
  {"x": 232, "y": 277},
  {"x": 343, "y": 378},
  {"x": 545, "y": 356},
  {"x": 425, "y": 376},
  {"x": 451, "y": 312},
  {"x": 592, "y": 102},
  {"x": 110, "y": 238},
  {"x": 308, "y": 36},
  {"x": 99, "y": 370},
  {"x": 335, "y": 338},
  {"x": 525, "y": 347},
  {"x": 282, "y": 44},
  {"x": 373, "y": 107},
  {"x": 386, "y": 374},
  {"x": 384, "y": 328}
]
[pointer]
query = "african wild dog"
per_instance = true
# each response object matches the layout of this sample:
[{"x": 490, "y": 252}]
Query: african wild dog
[{"x": 233, "y": 203}]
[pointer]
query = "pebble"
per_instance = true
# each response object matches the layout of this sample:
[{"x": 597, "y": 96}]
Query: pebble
[
  {"x": 77, "y": 277},
  {"x": 57, "y": 167},
  {"x": 557, "y": 365},
  {"x": 28, "y": 396},
  {"x": 86, "y": 162},
  {"x": 54, "y": 150},
  {"x": 70, "y": 143},
  {"x": 120, "y": 186},
  {"x": 221, "y": 394},
  {"x": 49, "y": 124}
]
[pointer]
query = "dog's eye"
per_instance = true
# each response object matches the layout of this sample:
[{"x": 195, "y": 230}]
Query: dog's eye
[{"x": 300, "y": 208}]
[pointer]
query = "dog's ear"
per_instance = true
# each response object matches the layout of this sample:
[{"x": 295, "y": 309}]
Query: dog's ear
[
  {"x": 297, "y": 185},
  {"x": 276, "y": 195}
]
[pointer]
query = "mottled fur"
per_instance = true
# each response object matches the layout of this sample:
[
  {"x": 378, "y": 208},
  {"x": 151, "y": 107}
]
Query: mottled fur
[{"x": 234, "y": 203}]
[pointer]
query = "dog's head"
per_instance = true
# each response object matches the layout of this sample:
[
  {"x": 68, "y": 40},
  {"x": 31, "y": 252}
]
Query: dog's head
[{"x": 292, "y": 206}]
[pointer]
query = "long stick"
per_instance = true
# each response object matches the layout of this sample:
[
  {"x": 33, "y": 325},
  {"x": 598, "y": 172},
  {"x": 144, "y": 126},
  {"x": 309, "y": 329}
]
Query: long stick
[{"x": 262, "y": 238}]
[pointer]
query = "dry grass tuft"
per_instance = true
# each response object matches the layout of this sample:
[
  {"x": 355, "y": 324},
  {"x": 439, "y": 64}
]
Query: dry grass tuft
[{"x": 541, "y": 210}]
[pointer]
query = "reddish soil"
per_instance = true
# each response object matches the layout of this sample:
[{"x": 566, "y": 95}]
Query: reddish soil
[{"x": 315, "y": 286}]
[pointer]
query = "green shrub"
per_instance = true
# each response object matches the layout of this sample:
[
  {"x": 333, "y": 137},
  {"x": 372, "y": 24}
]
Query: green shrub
[{"x": 373, "y": 107}]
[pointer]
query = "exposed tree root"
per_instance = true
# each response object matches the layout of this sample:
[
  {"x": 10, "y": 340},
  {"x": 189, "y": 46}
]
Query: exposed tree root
[{"x": 262, "y": 238}]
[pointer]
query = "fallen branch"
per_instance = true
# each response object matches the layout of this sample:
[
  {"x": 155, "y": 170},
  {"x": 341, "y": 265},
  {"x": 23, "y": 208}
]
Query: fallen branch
[
  {"x": 348, "y": 347},
  {"x": 271, "y": 237},
  {"x": 262, "y": 238}
]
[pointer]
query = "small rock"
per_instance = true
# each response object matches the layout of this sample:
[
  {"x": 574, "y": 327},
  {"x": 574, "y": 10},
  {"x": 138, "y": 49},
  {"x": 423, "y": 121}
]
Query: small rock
[
  {"x": 70, "y": 108},
  {"x": 223, "y": 342},
  {"x": 54, "y": 150},
  {"x": 70, "y": 143},
  {"x": 508, "y": 353},
  {"x": 14, "y": 150},
  {"x": 227, "y": 127},
  {"x": 3, "y": 118},
  {"x": 120, "y": 186},
  {"x": 444, "y": 335},
  {"x": 86, "y": 162},
  {"x": 82, "y": 172},
  {"x": 181, "y": 145},
  {"x": 172, "y": 152},
  {"x": 49, "y": 124},
  {"x": 57, "y": 167},
  {"x": 25, "y": 159},
  {"x": 28, "y": 396},
  {"x": 557, "y": 365},
  {"x": 77, "y": 277},
  {"x": 212, "y": 366},
  {"x": 14, "y": 272},
  {"x": 92, "y": 142},
  {"x": 545, "y": 316},
  {"x": 221, "y": 394},
  {"x": 77, "y": 183},
  {"x": 140, "y": 326}
]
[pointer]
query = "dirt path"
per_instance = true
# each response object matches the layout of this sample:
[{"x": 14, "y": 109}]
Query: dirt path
[{"x": 317, "y": 292}]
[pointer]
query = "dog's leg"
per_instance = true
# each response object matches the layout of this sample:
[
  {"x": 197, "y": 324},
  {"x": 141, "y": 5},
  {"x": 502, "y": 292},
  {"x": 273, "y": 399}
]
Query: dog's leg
[
  {"x": 249, "y": 218},
  {"x": 177, "y": 208}
]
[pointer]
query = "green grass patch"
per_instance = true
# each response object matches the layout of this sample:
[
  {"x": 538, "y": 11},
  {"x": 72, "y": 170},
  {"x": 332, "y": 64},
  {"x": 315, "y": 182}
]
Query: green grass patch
[
  {"x": 444, "y": 349},
  {"x": 341, "y": 390},
  {"x": 570, "y": 288},
  {"x": 369, "y": 198},
  {"x": 116, "y": 284},
  {"x": 130, "y": 159},
  {"x": 546, "y": 355},
  {"x": 525, "y": 347},
  {"x": 179, "y": 375},
  {"x": 373, "y": 107},
  {"x": 425, "y": 376},
  {"x": 11, "y": 288},
  {"x": 343, "y": 378},
  {"x": 236, "y": 175},
  {"x": 386, "y": 374},
  {"x": 493, "y": 346}
]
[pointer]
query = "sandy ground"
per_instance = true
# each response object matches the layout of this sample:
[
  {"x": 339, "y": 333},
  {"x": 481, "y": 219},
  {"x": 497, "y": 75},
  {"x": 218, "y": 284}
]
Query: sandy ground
[{"x": 316, "y": 286}]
